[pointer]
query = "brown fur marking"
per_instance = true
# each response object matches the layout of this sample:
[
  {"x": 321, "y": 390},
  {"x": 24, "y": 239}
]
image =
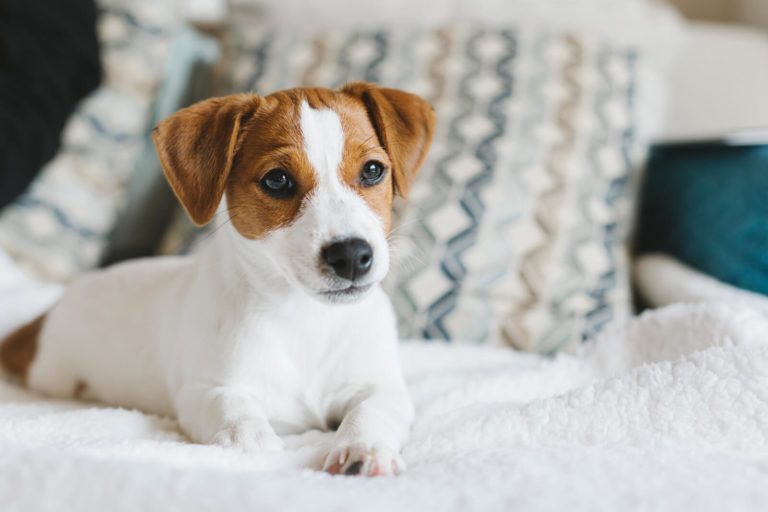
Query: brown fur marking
[
  {"x": 228, "y": 144},
  {"x": 17, "y": 351}
]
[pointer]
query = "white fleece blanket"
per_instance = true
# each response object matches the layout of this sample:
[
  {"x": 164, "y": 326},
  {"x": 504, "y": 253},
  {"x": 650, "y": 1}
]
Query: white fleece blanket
[{"x": 669, "y": 412}]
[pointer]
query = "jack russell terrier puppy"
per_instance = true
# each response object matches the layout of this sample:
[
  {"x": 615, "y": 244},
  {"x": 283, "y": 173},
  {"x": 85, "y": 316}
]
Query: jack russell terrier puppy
[{"x": 278, "y": 325}]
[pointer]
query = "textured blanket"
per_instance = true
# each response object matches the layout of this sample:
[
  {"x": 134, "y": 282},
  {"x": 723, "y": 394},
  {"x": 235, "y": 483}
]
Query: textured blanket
[{"x": 668, "y": 412}]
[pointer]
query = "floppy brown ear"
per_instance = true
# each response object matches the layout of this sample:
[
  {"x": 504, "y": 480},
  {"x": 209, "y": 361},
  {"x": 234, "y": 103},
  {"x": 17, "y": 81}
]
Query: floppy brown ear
[
  {"x": 196, "y": 146},
  {"x": 404, "y": 124}
]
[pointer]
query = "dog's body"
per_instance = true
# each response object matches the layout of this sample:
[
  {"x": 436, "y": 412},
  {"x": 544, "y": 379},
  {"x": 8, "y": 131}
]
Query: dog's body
[
  {"x": 278, "y": 325},
  {"x": 281, "y": 355}
]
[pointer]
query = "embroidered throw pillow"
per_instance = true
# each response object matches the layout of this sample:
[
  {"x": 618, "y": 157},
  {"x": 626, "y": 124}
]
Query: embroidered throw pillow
[{"x": 514, "y": 232}]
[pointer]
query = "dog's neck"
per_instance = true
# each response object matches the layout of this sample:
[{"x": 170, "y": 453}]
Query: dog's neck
[{"x": 241, "y": 266}]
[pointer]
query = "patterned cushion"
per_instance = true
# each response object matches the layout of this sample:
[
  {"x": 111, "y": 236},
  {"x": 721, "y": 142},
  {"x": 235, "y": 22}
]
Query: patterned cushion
[
  {"x": 60, "y": 226},
  {"x": 515, "y": 228}
]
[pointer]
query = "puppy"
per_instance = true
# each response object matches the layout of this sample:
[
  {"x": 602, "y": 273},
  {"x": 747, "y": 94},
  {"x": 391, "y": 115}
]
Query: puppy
[{"x": 278, "y": 325}]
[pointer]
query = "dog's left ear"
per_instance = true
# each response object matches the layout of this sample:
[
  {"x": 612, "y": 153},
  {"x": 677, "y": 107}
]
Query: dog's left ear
[
  {"x": 404, "y": 124},
  {"x": 196, "y": 146}
]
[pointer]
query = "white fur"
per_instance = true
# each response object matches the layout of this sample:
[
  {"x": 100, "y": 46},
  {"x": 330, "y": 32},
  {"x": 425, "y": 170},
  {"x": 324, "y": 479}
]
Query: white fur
[
  {"x": 236, "y": 342},
  {"x": 323, "y": 141}
]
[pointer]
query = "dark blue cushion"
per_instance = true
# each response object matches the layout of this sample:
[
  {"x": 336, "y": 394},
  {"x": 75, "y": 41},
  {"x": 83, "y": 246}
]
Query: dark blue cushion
[{"x": 707, "y": 205}]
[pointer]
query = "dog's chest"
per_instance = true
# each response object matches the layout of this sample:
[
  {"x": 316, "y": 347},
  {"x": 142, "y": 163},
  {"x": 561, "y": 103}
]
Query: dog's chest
[{"x": 293, "y": 359}]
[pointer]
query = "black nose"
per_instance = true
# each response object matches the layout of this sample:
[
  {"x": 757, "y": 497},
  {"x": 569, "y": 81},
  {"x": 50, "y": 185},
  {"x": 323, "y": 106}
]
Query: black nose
[{"x": 350, "y": 258}]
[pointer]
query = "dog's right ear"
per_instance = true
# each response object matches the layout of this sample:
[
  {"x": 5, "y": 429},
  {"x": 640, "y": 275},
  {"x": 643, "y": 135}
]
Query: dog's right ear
[
  {"x": 404, "y": 124},
  {"x": 196, "y": 146}
]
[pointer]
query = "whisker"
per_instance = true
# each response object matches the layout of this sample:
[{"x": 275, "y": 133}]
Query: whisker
[
  {"x": 209, "y": 235},
  {"x": 402, "y": 225},
  {"x": 228, "y": 209},
  {"x": 404, "y": 252}
]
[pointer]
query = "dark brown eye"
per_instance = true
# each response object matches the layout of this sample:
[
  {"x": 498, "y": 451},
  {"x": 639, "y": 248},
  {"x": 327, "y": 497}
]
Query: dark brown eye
[
  {"x": 278, "y": 184},
  {"x": 371, "y": 173}
]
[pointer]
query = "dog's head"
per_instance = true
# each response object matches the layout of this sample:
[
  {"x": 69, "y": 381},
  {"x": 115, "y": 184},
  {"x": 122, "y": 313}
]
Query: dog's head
[{"x": 308, "y": 176}]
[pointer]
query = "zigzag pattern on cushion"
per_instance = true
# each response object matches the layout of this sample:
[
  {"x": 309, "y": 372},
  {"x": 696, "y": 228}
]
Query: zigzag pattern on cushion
[
  {"x": 471, "y": 201},
  {"x": 429, "y": 245},
  {"x": 527, "y": 155},
  {"x": 514, "y": 229},
  {"x": 599, "y": 314},
  {"x": 536, "y": 262}
]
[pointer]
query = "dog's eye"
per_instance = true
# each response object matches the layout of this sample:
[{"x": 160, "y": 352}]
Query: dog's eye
[
  {"x": 372, "y": 173},
  {"x": 278, "y": 183}
]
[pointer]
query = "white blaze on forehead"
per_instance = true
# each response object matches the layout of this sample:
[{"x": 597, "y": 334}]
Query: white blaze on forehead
[
  {"x": 332, "y": 211},
  {"x": 323, "y": 141}
]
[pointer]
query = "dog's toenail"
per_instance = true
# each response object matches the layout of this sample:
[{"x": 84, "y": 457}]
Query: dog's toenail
[{"x": 355, "y": 468}]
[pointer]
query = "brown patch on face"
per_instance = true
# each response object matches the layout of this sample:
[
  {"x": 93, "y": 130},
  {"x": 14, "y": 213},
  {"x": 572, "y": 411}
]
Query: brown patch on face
[
  {"x": 362, "y": 145},
  {"x": 404, "y": 124},
  {"x": 17, "y": 351},
  {"x": 227, "y": 145},
  {"x": 273, "y": 140}
]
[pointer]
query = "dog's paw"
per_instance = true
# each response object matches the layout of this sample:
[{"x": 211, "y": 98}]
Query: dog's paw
[
  {"x": 363, "y": 459},
  {"x": 249, "y": 436}
]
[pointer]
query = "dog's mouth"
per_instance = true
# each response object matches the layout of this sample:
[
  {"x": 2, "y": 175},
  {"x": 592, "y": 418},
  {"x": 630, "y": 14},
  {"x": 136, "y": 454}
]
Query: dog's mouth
[{"x": 347, "y": 294}]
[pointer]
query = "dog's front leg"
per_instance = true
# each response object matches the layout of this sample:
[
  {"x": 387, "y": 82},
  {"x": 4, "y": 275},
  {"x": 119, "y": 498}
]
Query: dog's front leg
[
  {"x": 225, "y": 416},
  {"x": 369, "y": 438}
]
